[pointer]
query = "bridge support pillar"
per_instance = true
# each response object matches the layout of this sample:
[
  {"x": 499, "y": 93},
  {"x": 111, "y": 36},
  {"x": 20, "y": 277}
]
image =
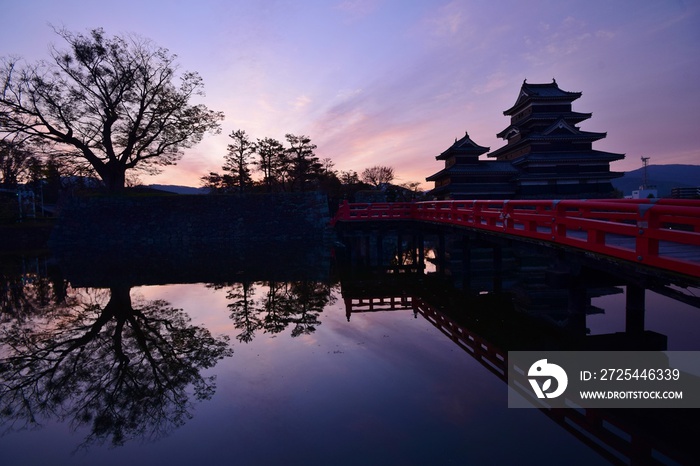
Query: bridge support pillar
[
  {"x": 358, "y": 245},
  {"x": 400, "y": 251},
  {"x": 421, "y": 249},
  {"x": 634, "y": 309},
  {"x": 441, "y": 254},
  {"x": 466, "y": 263},
  {"x": 497, "y": 269},
  {"x": 379, "y": 238},
  {"x": 413, "y": 245}
]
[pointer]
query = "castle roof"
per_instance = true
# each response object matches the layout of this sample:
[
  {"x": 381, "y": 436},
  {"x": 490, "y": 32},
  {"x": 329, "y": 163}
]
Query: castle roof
[
  {"x": 465, "y": 147},
  {"x": 569, "y": 176},
  {"x": 558, "y": 131},
  {"x": 484, "y": 167},
  {"x": 541, "y": 93},
  {"x": 475, "y": 191},
  {"x": 572, "y": 117},
  {"x": 570, "y": 157}
]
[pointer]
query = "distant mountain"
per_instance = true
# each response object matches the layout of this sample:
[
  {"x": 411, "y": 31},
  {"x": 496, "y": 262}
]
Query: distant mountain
[
  {"x": 664, "y": 177},
  {"x": 172, "y": 188}
]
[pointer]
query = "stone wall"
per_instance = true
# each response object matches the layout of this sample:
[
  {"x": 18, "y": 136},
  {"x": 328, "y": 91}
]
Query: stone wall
[
  {"x": 103, "y": 241},
  {"x": 199, "y": 221}
]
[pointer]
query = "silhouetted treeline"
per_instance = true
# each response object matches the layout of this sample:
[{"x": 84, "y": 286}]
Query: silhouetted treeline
[{"x": 296, "y": 167}]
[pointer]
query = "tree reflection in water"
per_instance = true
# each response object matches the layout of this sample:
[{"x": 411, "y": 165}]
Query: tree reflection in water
[
  {"x": 297, "y": 303},
  {"x": 307, "y": 300},
  {"x": 244, "y": 314},
  {"x": 122, "y": 369}
]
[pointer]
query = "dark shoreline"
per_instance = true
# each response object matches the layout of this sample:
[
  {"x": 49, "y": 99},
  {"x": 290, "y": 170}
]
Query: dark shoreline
[{"x": 31, "y": 236}]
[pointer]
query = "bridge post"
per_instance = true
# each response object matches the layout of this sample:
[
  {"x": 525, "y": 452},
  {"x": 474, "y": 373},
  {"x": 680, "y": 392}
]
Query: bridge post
[{"x": 634, "y": 309}]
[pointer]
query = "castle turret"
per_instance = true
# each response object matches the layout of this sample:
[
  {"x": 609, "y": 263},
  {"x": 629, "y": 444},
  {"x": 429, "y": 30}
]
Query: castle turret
[{"x": 467, "y": 177}]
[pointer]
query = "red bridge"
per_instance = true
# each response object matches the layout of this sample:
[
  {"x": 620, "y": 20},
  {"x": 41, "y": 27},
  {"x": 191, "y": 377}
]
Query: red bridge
[{"x": 661, "y": 233}]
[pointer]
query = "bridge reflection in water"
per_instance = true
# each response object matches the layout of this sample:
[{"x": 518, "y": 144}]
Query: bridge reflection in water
[{"x": 492, "y": 295}]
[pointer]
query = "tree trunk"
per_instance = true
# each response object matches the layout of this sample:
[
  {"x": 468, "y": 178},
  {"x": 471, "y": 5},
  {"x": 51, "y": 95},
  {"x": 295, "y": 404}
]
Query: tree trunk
[
  {"x": 114, "y": 178},
  {"x": 119, "y": 305}
]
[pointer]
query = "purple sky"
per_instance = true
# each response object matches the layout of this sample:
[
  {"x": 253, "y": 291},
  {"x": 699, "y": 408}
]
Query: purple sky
[{"x": 395, "y": 82}]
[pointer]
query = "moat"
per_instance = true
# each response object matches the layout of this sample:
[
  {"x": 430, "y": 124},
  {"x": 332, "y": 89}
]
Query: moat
[{"x": 324, "y": 358}]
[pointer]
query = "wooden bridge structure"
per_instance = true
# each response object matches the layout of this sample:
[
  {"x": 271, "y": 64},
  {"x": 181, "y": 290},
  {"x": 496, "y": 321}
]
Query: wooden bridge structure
[{"x": 661, "y": 234}]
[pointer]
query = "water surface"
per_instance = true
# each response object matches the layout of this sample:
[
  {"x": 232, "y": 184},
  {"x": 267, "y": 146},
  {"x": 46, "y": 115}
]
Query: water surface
[{"x": 253, "y": 371}]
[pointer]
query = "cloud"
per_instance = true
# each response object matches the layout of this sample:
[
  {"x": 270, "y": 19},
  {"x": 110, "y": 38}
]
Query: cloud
[
  {"x": 356, "y": 8},
  {"x": 494, "y": 82},
  {"x": 301, "y": 102},
  {"x": 567, "y": 38},
  {"x": 448, "y": 21},
  {"x": 684, "y": 13},
  {"x": 607, "y": 35}
]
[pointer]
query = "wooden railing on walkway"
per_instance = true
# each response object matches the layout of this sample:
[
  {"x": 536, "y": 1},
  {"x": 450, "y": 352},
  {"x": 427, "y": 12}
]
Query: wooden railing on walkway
[{"x": 663, "y": 233}]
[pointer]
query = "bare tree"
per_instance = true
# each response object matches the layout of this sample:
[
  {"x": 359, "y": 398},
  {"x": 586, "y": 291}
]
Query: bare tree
[
  {"x": 15, "y": 162},
  {"x": 327, "y": 165},
  {"x": 112, "y": 102},
  {"x": 378, "y": 175},
  {"x": 349, "y": 177}
]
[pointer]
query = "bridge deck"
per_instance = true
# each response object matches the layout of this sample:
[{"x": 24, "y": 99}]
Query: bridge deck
[{"x": 663, "y": 234}]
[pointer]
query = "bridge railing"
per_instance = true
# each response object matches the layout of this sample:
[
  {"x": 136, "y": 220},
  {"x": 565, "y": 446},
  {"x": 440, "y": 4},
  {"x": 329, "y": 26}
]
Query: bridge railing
[
  {"x": 373, "y": 211},
  {"x": 664, "y": 233}
]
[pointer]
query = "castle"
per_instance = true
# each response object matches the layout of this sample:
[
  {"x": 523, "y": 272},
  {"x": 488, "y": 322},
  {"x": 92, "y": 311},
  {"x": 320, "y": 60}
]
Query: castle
[{"x": 546, "y": 156}]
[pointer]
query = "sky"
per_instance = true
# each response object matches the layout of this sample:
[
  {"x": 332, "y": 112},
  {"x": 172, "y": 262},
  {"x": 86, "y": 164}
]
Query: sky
[{"x": 394, "y": 82}]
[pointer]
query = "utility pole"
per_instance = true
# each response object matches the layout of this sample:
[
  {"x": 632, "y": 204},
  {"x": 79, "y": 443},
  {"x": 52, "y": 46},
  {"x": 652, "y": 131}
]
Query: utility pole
[{"x": 645, "y": 182}]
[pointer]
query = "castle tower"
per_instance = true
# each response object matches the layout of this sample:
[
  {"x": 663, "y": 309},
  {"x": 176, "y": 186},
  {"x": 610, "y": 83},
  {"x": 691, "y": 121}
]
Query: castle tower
[{"x": 553, "y": 157}]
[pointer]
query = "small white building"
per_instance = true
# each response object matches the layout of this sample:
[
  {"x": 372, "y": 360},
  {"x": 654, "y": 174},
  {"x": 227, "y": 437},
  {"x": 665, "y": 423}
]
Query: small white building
[{"x": 644, "y": 193}]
